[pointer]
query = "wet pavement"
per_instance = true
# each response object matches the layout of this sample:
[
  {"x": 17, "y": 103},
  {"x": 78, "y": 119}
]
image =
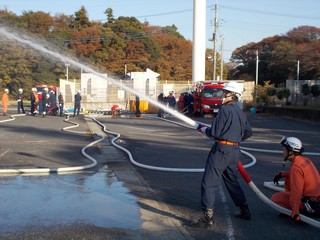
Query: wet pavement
[
  {"x": 36, "y": 202},
  {"x": 108, "y": 201}
]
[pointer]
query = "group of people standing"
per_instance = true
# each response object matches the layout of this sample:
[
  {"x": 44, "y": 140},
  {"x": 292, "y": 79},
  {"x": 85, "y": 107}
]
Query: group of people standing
[
  {"x": 43, "y": 103},
  {"x": 187, "y": 103},
  {"x": 169, "y": 100},
  {"x": 5, "y": 101}
]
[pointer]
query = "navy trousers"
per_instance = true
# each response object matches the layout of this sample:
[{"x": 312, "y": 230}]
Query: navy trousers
[{"x": 222, "y": 162}]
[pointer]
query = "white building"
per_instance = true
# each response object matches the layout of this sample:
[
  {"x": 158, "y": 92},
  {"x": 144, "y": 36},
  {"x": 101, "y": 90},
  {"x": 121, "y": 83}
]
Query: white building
[
  {"x": 94, "y": 87},
  {"x": 145, "y": 82}
]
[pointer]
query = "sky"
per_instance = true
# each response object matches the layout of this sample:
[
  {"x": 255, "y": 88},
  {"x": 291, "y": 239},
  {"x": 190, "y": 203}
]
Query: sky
[{"x": 240, "y": 22}]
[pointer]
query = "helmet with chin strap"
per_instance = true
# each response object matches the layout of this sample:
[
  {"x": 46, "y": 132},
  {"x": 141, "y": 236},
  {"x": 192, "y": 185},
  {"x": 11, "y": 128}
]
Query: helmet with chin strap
[
  {"x": 292, "y": 144},
  {"x": 233, "y": 87}
]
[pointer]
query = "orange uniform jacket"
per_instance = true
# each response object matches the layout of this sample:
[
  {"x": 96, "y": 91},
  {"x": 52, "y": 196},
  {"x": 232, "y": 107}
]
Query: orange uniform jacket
[
  {"x": 36, "y": 97},
  {"x": 5, "y": 102},
  {"x": 302, "y": 179}
]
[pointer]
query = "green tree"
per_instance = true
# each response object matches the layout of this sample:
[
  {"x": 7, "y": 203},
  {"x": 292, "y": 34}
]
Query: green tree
[
  {"x": 315, "y": 90},
  {"x": 306, "y": 90},
  {"x": 81, "y": 19},
  {"x": 110, "y": 17}
]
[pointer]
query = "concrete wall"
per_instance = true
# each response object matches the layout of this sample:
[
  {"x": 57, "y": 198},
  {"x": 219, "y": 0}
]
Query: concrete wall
[{"x": 311, "y": 115}]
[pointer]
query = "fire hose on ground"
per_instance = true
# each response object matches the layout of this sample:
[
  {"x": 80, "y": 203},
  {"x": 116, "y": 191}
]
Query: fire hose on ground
[
  {"x": 241, "y": 169},
  {"x": 266, "y": 200},
  {"x": 12, "y": 117},
  {"x": 63, "y": 169}
]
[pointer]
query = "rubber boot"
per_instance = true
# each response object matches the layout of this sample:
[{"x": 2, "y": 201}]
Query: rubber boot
[
  {"x": 206, "y": 221},
  {"x": 243, "y": 213}
]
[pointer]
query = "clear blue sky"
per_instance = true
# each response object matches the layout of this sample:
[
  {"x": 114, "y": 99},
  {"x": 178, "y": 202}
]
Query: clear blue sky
[{"x": 240, "y": 22}]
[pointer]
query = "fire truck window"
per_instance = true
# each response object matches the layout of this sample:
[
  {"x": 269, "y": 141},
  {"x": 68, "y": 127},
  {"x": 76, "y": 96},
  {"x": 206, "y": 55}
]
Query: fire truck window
[{"x": 219, "y": 93}]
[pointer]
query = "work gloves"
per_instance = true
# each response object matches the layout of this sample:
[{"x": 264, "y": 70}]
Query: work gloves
[
  {"x": 202, "y": 128},
  {"x": 277, "y": 178}
]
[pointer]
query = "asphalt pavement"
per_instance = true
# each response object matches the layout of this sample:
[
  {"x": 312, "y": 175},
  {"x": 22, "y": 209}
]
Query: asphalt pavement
[
  {"x": 160, "y": 143},
  {"x": 117, "y": 199}
]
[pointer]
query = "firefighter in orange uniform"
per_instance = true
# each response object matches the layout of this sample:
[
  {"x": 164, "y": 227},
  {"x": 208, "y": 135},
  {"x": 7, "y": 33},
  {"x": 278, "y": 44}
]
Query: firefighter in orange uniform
[
  {"x": 302, "y": 181},
  {"x": 181, "y": 102},
  {"x": 196, "y": 110},
  {"x": 5, "y": 101}
]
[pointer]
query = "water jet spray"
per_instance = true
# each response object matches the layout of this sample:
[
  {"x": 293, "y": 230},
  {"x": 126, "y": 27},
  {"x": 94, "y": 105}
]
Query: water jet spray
[{"x": 9, "y": 34}]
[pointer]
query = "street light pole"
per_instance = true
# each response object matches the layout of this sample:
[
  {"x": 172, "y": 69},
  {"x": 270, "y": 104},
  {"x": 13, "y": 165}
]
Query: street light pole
[{"x": 67, "y": 67}]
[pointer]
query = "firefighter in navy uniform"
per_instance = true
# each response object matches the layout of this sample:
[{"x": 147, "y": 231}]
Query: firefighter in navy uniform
[
  {"x": 34, "y": 100},
  {"x": 228, "y": 129},
  {"x": 61, "y": 104},
  {"x": 138, "y": 113},
  {"x": 19, "y": 99},
  {"x": 77, "y": 103},
  {"x": 162, "y": 100},
  {"x": 45, "y": 101}
]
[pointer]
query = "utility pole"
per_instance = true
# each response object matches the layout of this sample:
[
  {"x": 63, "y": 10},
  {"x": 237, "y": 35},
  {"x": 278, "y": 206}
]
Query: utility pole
[
  {"x": 298, "y": 69},
  {"x": 257, "y": 68},
  {"x": 221, "y": 60},
  {"x": 125, "y": 72},
  {"x": 297, "y": 84},
  {"x": 215, "y": 41}
]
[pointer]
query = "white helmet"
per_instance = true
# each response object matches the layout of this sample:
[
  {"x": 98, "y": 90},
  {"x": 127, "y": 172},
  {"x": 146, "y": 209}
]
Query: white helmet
[
  {"x": 233, "y": 87},
  {"x": 6, "y": 90},
  {"x": 292, "y": 144},
  {"x": 79, "y": 91},
  {"x": 20, "y": 90},
  {"x": 46, "y": 89}
]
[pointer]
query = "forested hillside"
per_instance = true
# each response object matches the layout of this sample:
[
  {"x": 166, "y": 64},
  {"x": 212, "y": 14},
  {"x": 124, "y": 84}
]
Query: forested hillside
[
  {"x": 289, "y": 56},
  {"x": 116, "y": 43},
  {"x": 108, "y": 46}
]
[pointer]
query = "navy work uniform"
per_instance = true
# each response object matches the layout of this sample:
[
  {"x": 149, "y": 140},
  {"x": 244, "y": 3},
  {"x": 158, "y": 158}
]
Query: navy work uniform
[
  {"x": 77, "y": 104},
  {"x": 61, "y": 104},
  {"x": 19, "y": 99},
  {"x": 229, "y": 128}
]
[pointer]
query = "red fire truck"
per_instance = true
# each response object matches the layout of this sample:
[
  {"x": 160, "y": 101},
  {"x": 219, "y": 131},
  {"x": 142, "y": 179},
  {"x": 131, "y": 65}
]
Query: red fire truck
[{"x": 209, "y": 98}]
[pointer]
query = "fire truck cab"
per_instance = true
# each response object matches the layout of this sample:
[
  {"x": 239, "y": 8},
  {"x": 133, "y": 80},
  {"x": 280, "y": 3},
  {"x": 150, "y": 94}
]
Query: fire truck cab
[{"x": 209, "y": 97}]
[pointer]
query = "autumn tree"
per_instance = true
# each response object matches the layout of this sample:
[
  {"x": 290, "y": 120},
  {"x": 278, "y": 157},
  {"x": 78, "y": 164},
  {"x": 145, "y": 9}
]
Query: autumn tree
[
  {"x": 39, "y": 23},
  {"x": 279, "y": 55}
]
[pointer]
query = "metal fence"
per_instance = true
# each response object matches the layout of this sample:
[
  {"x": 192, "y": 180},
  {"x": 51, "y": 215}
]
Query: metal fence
[{"x": 95, "y": 99}]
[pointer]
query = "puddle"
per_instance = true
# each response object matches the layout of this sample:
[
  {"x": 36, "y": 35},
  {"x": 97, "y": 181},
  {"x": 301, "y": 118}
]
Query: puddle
[{"x": 31, "y": 202}]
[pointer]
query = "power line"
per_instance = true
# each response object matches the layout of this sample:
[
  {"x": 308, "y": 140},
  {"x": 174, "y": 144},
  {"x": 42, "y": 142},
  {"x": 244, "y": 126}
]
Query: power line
[{"x": 270, "y": 13}]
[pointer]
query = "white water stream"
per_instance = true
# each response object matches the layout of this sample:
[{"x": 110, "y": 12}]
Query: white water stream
[{"x": 27, "y": 41}]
